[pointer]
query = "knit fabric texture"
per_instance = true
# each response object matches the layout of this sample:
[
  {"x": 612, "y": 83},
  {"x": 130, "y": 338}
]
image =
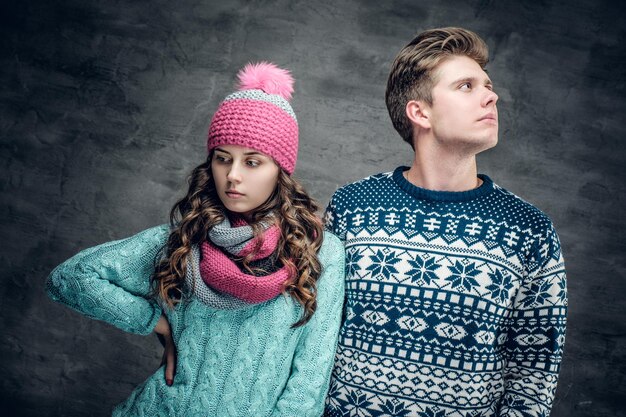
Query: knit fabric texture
[
  {"x": 196, "y": 286},
  {"x": 259, "y": 116},
  {"x": 455, "y": 302},
  {"x": 238, "y": 238},
  {"x": 221, "y": 273},
  {"x": 238, "y": 362}
]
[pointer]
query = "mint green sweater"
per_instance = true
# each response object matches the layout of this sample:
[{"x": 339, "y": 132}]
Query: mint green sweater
[{"x": 243, "y": 362}]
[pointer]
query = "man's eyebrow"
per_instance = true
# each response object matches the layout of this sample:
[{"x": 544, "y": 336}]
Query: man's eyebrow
[{"x": 473, "y": 80}]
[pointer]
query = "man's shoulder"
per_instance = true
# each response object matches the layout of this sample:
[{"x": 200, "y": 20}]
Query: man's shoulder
[
  {"x": 521, "y": 212},
  {"x": 357, "y": 188}
]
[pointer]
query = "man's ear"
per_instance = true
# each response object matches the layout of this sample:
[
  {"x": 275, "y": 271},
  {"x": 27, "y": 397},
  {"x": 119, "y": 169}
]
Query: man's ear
[{"x": 418, "y": 113}]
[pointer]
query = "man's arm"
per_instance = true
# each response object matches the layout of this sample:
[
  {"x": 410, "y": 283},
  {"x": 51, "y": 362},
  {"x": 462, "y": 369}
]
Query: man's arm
[{"x": 536, "y": 333}]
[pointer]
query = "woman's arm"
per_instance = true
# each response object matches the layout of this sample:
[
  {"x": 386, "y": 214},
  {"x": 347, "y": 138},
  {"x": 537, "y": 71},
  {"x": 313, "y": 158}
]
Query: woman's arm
[
  {"x": 111, "y": 282},
  {"x": 313, "y": 361}
]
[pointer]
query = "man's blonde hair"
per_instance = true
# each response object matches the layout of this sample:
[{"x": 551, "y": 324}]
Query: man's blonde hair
[{"x": 411, "y": 76}]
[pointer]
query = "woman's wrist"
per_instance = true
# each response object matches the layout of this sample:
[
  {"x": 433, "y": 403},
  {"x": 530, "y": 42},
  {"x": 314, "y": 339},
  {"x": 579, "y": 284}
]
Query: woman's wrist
[{"x": 162, "y": 327}]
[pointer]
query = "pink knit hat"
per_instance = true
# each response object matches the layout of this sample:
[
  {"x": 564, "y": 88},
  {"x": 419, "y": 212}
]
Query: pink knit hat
[{"x": 259, "y": 115}]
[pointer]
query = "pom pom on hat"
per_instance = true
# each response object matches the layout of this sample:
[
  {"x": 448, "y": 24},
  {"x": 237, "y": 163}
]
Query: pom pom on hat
[
  {"x": 267, "y": 77},
  {"x": 258, "y": 115}
]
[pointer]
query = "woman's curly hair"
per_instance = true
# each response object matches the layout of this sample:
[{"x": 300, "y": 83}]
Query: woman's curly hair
[{"x": 289, "y": 206}]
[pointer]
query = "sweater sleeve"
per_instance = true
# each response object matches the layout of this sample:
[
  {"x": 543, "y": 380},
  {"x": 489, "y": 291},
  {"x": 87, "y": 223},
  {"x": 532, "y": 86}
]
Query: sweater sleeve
[
  {"x": 334, "y": 221},
  {"x": 536, "y": 333},
  {"x": 111, "y": 282},
  {"x": 307, "y": 386}
]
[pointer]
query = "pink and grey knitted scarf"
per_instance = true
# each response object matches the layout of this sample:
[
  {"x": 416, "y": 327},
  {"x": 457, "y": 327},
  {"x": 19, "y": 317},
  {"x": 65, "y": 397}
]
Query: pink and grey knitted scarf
[{"x": 221, "y": 273}]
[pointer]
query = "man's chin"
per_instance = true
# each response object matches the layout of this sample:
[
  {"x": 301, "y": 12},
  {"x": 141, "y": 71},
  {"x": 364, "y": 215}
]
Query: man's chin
[
  {"x": 491, "y": 143},
  {"x": 478, "y": 145}
]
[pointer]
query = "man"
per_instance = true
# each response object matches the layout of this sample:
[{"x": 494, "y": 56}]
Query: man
[{"x": 455, "y": 288}]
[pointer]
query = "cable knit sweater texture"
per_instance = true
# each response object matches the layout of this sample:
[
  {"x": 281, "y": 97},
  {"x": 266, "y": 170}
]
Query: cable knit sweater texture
[{"x": 237, "y": 362}]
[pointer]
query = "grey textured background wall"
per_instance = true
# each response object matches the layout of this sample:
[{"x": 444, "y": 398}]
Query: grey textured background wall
[{"x": 104, "y": 109}]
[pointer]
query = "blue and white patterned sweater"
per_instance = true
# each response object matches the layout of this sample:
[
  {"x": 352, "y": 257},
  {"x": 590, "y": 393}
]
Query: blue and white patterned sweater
[{"x": 455, "y": 302}]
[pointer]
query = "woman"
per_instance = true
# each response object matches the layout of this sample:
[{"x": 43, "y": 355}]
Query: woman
[{"x": 210, "y": 282}]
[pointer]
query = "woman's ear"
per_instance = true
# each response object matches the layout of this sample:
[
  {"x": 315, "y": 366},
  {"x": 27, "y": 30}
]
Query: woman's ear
[{"x": 418, "y": 113}]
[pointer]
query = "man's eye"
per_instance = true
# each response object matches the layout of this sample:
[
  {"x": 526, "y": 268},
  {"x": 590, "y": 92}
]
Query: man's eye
[{"x": 465, "y": 87}]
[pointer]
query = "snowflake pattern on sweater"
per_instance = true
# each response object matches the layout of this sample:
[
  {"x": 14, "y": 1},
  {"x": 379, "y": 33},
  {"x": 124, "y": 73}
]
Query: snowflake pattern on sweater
[{"x": 455, "y": 302}]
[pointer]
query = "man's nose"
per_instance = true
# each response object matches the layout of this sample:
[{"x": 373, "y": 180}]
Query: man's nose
[{"x": 490, "y": 98}]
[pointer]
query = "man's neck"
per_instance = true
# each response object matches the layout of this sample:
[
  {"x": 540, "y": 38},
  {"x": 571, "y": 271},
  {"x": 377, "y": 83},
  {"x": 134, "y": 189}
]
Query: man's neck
[{"x": 436, "y": 168}]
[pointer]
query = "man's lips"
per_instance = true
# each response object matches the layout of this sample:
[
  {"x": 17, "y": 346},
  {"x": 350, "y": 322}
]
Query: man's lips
[{"x": 488, "y": 116}]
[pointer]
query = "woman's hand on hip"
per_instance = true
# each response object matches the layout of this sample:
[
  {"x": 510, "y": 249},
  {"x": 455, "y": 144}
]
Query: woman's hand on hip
[{"x": 164, "y": 331}]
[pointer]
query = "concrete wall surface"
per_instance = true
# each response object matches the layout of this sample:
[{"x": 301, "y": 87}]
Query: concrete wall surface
[{"x": 104, "y": 108}]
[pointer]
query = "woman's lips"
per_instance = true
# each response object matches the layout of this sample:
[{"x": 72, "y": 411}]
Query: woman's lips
[{"x": 234, "y": 194}]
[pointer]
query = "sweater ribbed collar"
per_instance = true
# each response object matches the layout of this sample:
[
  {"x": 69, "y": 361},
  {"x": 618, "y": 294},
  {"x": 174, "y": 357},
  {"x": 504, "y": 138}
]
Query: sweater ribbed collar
[{"x": 441, "y": 196}]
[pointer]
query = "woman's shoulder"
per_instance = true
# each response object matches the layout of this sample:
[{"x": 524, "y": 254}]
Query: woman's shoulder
[
  {"x": 157, "y": 233},
  {"x": 145, "y": 240},
  {"x": 332, "y": 250},
  {"x": 332, "y": 257}
]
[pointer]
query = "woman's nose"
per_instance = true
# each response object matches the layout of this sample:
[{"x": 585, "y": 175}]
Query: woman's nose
[{"x": 234, "y": 174}]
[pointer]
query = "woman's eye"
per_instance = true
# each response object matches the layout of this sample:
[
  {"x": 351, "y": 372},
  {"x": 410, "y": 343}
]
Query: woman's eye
[
  {"x": 220, "y": 158},
  {"x": 253, "y": 163}
]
